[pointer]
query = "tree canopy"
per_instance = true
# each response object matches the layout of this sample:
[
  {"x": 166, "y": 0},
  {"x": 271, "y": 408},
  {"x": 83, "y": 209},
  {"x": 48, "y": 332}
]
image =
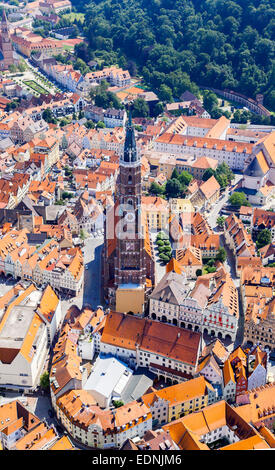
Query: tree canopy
[
  {"x": 264, "y": 238},
  {"x": 185, "y": 44},
  {"x": 238, "y": 199}
]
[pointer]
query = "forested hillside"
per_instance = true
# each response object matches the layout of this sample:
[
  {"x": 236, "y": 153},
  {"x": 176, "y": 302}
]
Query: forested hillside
[{"x": 185, "y": 43}]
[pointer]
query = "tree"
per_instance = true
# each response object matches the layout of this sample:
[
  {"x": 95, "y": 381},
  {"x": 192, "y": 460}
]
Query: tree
[
  {"x": 211, "y": 269},
  {"x": 207, "y": 174},
  {"x": 89, "y": 124},
  {"x": 82, "y": 234},
  {"x": 156, "y": 189},
  {"x": 185, "y": 178},
  {"x": 12, "y": 68},
  {"x": 140, "y": 108},
  {"x": 238, "y": 199},
  {"x": 178, "y": 44},
  {"x": 175, "y": 174},
  {"x": 210, "y": 100},
  {"x": 100, "y": 125},
  {"x": 198, "y": 272},
  {"x": 220, "y": 221},
  {"x": 48, "y": 116},
  {"x": 162, "y": 236},
  {"x": 173, "y": 188},
  {"x": 264, "y": 238},
  {"x": 221, "y": 255},
  {"x": 164, "y": 257},
  {"x": 106, "y": 99},
  {"x": 45, "y": 381},
  {"x": 165, "y": 93},
  {"x": 118, "y": 403}
]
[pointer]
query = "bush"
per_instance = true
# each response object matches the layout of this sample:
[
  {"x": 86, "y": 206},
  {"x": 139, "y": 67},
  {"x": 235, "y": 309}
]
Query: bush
[
  {"x": 45, "y": 381},
  {"x": 118, "y": 403},
  {"x": 164, "y": 257},
  {"x": 162, "y": 236}
]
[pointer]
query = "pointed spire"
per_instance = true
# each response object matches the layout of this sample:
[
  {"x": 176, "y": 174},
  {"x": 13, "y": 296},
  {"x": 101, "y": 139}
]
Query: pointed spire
[
  {"x": 130, "y": 150},
  {"x": 4, "y": 16}
]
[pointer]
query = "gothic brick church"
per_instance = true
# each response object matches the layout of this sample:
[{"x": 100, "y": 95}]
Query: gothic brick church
[
  {"x": 6, "y": 49},
  {"x": 128, "y": 260}
]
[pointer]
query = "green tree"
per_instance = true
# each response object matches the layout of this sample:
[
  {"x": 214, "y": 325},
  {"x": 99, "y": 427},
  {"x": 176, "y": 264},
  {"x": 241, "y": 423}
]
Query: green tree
[
  {"x": 221, "y": 255},
  {"x": 118, "y": 403},
  {"x": 264, "y": 238},
  {"x": 89, "y": 124},
  {"x": 173, "y": 188},
  {"x": 207, "y": 174},
  {"x": 140, "y": 108},
  {"x": 100, "y": 125},
  {"x": 45, "y": 381},
  {"x": 156, "y": 189},
  {"x": 238, "y": 199},
  {"x": 210, "y": 100},
  {"x": 175, "y": 174},
  {"x": 185, "y": 178},
  {"x": 165, "y": 93},
  {"x": 220, "y": 221},
  {"x": 48, "y": 116}
]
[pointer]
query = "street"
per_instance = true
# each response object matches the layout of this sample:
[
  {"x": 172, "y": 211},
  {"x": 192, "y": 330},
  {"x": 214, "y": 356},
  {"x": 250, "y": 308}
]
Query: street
[
  {"x": 92, "y": 275},
  {"x": 91, "y": 291},
  {"x": 160, "y": 268},
  {"x": 214, "y": 213}
]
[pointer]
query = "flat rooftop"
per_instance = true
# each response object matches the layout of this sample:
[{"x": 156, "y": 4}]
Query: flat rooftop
[{"x": 16, "y": 327}]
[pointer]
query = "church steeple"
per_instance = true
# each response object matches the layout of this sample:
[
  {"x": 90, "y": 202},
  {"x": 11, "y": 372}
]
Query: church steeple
[
  {"x": 130, "y": 148},
  {"x": 6, "y": 48},
  {"x": 4, "y": 16},
  {"x": 4, "y": 23}
]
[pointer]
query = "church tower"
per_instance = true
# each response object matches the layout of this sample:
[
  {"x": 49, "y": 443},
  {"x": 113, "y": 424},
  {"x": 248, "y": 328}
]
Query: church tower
[
  {"x": 128, "y": 262},
  {"x": 5, "y": 44}
]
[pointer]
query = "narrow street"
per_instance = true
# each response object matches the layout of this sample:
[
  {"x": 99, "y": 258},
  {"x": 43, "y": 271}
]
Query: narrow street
[{"x": 92, "y": 275}]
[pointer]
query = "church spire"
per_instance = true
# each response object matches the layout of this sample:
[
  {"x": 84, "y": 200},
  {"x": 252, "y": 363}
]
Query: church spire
[
  {"x": 4, "y": 17},
  {"x": 130, "y": 148}
]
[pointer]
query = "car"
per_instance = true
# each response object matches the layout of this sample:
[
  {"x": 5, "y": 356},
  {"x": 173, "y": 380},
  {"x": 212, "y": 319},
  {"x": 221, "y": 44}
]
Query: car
[
  {"x": 86, "y": 267},
  {"x": 50, "y": 413}
]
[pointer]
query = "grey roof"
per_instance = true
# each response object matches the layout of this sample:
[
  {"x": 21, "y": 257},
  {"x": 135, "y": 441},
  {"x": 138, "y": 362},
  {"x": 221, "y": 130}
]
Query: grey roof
[
  {"x": 188, "y": 96},
  {"x": 107, "y": 373},
  {"x": 139, "y": 383},
  {"x": 53, "y": 212},
  {"x": 6, "y": 143},
  {"x": 254, "y": 169},
  {"x": 27, "y": 202},
  {"x": 114, "y": 113},
  {"x": 172, "y": 288},
  {"x": 36, "y": 238}
]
